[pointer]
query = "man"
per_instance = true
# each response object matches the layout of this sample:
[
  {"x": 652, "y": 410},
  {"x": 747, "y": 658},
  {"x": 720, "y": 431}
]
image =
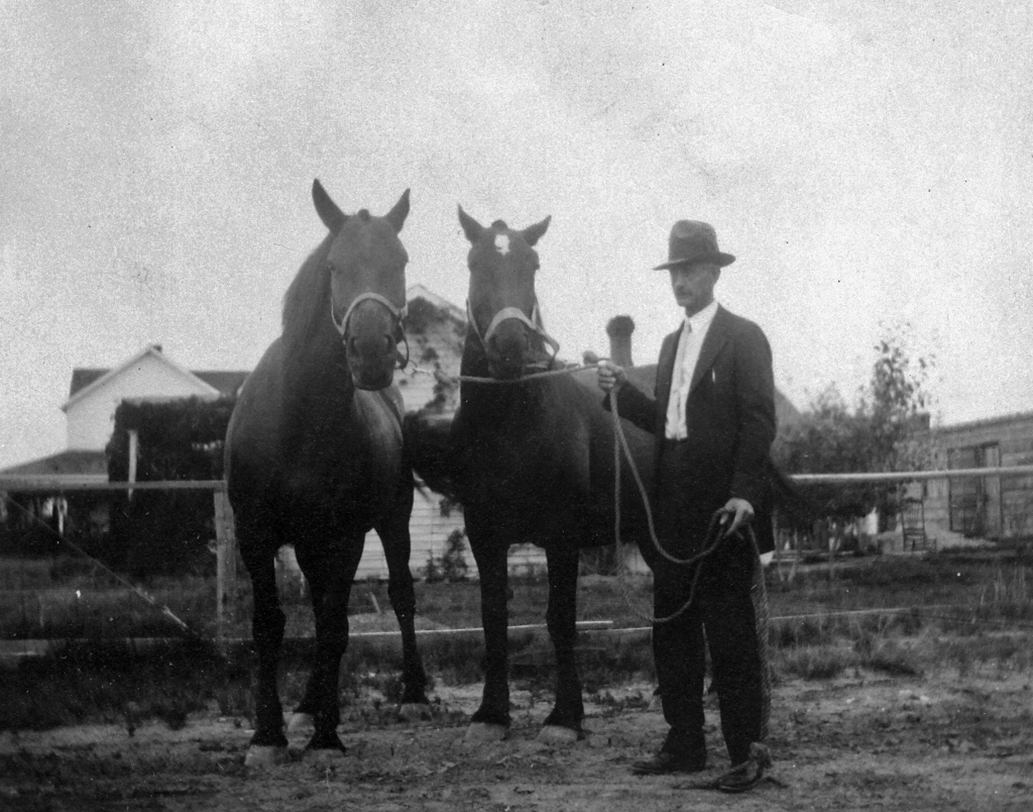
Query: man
[{"x": 713, "y": 415}]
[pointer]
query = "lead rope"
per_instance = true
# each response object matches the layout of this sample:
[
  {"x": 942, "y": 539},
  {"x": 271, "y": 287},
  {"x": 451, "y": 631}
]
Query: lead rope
[
  {"x": 761, "y": 611},
  {"x": 759, "y": 753}
]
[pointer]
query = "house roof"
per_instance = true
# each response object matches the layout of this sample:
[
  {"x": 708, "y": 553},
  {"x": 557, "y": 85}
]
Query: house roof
[
  {"x": 66, "y": 463},
  {"x": 1004, "y": 419},
  {"x": 224, "y": 381},
  {"x": 88, "y": 379},
  {"x": 440, "y": 302}
]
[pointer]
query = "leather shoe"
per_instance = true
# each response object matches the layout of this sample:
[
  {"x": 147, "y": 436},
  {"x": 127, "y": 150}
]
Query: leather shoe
[
  {"x": 663, "y": 763},
  {"x": 744, "y": 777}
]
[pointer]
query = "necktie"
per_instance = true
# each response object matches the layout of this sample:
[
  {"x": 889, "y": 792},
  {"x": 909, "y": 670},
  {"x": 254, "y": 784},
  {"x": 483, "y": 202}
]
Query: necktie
[{"x": 681, "y": 380}]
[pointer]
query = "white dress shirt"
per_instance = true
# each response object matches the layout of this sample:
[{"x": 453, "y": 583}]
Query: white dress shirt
[{"x": 694, "y": 330}]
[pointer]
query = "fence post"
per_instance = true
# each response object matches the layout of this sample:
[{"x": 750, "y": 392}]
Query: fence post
[{"x": 226, "y": 564}]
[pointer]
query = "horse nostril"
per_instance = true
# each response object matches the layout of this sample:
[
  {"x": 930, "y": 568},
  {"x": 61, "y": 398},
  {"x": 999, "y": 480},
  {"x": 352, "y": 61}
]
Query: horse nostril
[
  {"x": 390, "y": 342},
  {"x": 352, "y": 345}
]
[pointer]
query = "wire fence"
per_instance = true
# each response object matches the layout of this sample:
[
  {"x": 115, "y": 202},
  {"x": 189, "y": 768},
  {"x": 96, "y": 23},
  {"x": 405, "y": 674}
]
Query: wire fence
[{"x": 64, "y": 589}]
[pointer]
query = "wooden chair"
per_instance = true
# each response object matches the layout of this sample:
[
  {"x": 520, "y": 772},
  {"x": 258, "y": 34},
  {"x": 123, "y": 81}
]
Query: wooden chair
[{"x": 912, "y": 518}]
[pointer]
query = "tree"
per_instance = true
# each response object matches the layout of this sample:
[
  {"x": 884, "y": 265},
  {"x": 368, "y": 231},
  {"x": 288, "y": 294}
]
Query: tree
[
  {"x": 886, "y": 430},
  {"x": 896, "y": 404}
]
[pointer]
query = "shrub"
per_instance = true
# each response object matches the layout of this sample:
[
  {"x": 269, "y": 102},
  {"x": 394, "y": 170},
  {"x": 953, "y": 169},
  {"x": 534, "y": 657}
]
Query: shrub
[
  {"x": 451, "y": 566},
  {"x": 168, "y": 532}
]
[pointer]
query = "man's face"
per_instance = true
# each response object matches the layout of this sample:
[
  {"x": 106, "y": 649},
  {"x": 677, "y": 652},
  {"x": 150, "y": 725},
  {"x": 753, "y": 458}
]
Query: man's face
[{"x": 693, "y": 285}]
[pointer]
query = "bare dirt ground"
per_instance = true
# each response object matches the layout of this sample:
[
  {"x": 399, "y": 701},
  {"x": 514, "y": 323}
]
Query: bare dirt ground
[{"x": 945, "y": 742}]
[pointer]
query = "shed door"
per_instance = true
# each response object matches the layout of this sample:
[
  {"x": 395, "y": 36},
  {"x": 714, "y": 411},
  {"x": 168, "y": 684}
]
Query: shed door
[
  {"x": 964, "y": 493},
  {"x": 989, "y": 456}
]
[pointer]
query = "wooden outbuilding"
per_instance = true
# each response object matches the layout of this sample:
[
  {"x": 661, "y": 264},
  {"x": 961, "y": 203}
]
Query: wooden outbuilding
[{"x": 992, "y": 507}]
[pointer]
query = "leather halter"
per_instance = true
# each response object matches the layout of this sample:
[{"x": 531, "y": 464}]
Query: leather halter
[
  {"x": 397, "y": 313},
  {"x": 534, "y": 323}
]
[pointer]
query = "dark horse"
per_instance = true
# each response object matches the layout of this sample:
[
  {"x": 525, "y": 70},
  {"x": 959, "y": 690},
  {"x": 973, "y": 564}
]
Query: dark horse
[
  {"x": 314, "y": 458},
  {"x": 531, "y": 460}
]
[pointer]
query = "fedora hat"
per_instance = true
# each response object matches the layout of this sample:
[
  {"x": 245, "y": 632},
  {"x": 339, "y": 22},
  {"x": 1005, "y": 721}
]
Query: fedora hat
[{"x": 693, "y": 241}]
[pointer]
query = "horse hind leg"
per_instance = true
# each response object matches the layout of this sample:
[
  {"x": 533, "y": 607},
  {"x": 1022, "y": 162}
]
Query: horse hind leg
[
  {"x": 563, "y": 724},
  {"x": 268, "y": 744},
  {"x": 397, "y": 547}
]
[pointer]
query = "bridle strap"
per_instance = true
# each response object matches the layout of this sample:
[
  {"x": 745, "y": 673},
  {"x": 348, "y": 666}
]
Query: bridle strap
[
  {"x": 342, "y": 327},
  {"x": 398, "y": 313},
  {"x": 534, "y": 323}
]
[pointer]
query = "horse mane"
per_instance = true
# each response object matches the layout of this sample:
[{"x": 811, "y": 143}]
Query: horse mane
[{"x": 307, "y": 299}]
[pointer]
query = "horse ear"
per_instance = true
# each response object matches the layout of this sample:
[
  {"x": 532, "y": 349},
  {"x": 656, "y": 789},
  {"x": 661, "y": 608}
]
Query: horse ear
[
  {"x": 333, "y": 218},
  {"x": 532, "y": 234},
  {"x": 396, "y": 217},
  {"x": 471, "y": 227}
]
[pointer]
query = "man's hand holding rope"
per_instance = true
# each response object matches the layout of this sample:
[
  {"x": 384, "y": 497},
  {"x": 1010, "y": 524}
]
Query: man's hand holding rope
[
  {"x": 611, "y": 376},
  {"x": 739, "y": 511}
]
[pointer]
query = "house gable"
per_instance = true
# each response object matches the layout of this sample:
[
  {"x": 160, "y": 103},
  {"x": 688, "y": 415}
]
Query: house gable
[
  {"x": 147, "y": 375},
  {"x": 420, "y": 292},
  {"x": 435, "y": 330}
]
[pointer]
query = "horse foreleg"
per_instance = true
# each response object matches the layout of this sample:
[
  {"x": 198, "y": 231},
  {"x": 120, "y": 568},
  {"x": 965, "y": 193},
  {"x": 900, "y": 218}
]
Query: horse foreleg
[
  {"x": 400, "y": 589},
  {"x": 268, "y": 744},
  {"x": 491, "y": 721},
  {"x": 330, "y": 578},
  {"x": 564, "y": 723}
]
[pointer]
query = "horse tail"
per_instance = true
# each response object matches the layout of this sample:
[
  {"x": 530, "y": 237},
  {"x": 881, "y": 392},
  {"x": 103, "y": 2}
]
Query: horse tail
[
  {"x": 426, "y": 437},
  {"x": 791, "y": 500}
]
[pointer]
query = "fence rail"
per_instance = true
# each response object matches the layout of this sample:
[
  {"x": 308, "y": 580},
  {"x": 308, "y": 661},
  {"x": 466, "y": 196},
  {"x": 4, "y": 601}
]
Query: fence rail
[
  {"x": 226, "y": 542},
  {"x": 912, "y": 476},
  {"x": 225, "y": 533},
  {"x": 99, "y": 482}
]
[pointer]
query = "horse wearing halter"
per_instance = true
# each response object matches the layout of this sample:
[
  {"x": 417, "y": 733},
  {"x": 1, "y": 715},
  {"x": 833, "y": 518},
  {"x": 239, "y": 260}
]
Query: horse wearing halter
[
  {"x": 397, "y": 314},
  {"x": 534, "y": 324}
]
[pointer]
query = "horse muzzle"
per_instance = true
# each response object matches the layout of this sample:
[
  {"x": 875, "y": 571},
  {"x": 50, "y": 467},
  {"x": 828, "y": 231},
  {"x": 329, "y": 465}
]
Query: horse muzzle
[
  {"x": 370, "y": 336},
  {"x": 509, "y": 361},
  {"x": 372, "y": 368},
  {"x": 515, "y": 344}
]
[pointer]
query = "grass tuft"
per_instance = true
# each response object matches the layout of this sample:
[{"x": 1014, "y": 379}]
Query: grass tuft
[{"x": 858, "y": 619}]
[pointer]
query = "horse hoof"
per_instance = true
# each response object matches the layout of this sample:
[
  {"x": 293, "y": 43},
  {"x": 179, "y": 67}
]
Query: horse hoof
[
  {"x": 556, "y": 734},
  {"x": 414, "y": 711},
  {"x": 483, "y": 732},
  {"x": 266, "y": 755},
  {"x": 301, "y": 723}
]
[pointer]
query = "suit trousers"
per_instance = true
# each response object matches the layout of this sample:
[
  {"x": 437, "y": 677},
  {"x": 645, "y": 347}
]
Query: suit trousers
[{"x": 721, "y": 618}]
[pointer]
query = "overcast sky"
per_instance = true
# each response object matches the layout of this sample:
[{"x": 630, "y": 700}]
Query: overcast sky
[{"x": 869, "y": 163}]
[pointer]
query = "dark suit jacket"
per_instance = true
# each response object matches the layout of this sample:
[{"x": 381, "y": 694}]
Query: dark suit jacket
[{"x": 730, "y": 417}]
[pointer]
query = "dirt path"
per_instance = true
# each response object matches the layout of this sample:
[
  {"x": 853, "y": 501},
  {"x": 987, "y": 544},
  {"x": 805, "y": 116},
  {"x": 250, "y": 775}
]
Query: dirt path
[{"x": 869, "y": 742}]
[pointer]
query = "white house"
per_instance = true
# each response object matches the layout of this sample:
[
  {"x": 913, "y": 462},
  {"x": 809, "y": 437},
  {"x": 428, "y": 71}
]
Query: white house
[
  {"x": 435, "y": 344},
  {"x": 435, "y": 333},
  {"x": 151, "y": 375}
]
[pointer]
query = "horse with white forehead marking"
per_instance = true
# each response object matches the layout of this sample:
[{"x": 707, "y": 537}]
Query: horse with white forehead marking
[
  {"x": 530, "y": 460},
  {"x": 314, "y": 458}
]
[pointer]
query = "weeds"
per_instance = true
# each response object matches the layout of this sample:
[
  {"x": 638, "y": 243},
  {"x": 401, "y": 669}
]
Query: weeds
[
  {"x": 821, "y": 662},
  {"x": 985, "y": 603}
]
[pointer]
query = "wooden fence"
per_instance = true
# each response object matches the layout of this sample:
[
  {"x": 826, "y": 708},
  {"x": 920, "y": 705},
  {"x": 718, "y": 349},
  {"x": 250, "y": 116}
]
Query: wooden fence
[
  {"x": 226, "y": 541},
  {"x": 225, "y": 534}
]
